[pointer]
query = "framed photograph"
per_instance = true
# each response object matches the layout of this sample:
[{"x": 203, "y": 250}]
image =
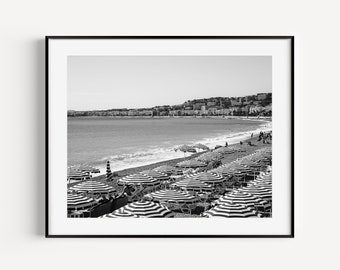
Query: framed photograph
[{"x": 170, "y": 136}]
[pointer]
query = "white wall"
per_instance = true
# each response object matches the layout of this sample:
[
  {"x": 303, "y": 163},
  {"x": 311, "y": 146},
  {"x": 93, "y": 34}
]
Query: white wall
[{"x": 23, "y": 25}]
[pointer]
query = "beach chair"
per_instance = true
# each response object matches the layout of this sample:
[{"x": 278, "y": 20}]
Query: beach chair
[
  {"x": 76, "y": 214},
  {"x": 185, "y": 209},
  {"x": 262, "y": 211}
]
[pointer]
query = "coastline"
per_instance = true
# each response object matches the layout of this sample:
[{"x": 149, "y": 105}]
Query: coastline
[
  {"x": 232, "y": 140},
  {"x": 227, "y": 158},
  {"x": 251, "y": 118}
]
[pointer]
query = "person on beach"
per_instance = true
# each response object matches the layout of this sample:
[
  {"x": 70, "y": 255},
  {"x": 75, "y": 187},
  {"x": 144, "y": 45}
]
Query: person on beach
[
  {"x": 226, "y": 144},
  {"x": 251, "y": 136}
]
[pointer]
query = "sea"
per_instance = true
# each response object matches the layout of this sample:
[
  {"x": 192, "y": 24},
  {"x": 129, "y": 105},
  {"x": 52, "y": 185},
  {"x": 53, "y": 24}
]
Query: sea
[{"x": 133, "y": 142}]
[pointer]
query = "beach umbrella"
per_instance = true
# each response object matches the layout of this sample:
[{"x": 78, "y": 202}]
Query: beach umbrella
[
  {"x": 201, "y": 146},
  {"x": 192, "y": 184},
  {"x": 224, "y": 150},
  {"x": 251, "y": 164},
  {"x": 76, "y": 175},
  {"x": 118, "y": 214},
  {"x": 207, "y": 157},
  {"x": 173, "y": 195},
  {"x": 77, "y": 201},
  {"x": 208, "y": 177},
  {"x": 261, "y": 192},
  {"x": 237, "y": 148},
  {"x": 88, "y": 169},
  {"x": 158, "y": 175},
  {"x": 139, "y": 179},
  {"x": 93, "y": 187},
  {"x": 260, "y": 185},
  {"x": 108, "y": 171},
  {"x": 230, "y": 210},
  {"x": 265, "y": 176},
  {"x": 243, "y": 198},
  {"x": 191, "y": 164},
  {"x": 166, "y": 169},
  {"x": 225, "y": 171},
  {"x": 262, "y": 180},
  {"x": 147, "y": 210},
  {"x": 185, "y": 148}
]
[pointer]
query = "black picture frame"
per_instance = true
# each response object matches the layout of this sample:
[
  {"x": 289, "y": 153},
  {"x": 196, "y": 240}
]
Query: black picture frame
[{"x": 292, "y": 220}]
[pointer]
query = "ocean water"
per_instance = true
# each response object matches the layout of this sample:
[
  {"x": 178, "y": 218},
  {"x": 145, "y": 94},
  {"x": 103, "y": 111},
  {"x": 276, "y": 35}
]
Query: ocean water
[{"x": 132, "y": 142}]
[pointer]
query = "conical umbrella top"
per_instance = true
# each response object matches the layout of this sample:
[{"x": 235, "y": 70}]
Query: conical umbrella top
[
  {"x": 147, "y": 209},
  {"x": 173, "y": 195},
  {"x": 192, "y": 184},
  {"x": 208, "y": 177},
  {"x": 139, "y": 179},
  {"x": 191, "y": 164},
  {"x": 93, "y": 187},
  {"x": 156, "y": 174},
  {"x": 77, "y": 201},
  {"x": 230, "y": 210},
  {"x": 165, "y": 169}
]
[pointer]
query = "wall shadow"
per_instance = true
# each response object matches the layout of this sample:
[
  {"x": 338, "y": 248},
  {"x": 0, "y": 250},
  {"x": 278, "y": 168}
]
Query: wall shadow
[{"x": 39, "y": 154}]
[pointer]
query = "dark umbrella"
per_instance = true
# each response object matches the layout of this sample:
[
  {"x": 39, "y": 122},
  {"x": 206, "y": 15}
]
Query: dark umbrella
[{"x": 108, "y": 171}]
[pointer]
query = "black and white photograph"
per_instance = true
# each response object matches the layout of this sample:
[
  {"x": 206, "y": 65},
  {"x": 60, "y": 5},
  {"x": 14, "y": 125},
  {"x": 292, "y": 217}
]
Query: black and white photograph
[
  {"x": 169, "y": 137},
  {"x": 172, "y": 136}
]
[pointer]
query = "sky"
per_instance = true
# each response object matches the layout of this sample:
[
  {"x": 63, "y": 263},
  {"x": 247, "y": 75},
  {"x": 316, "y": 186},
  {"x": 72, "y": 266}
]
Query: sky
[{"x": 106, "y": 82}]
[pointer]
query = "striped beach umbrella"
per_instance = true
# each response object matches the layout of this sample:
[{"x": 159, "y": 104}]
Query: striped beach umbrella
[
  {"x": 260, "y": 185},
  {"x": 222, "y": 170},
  {"x": 265, "y": 176},
  {"x": 139, "y": 179},
  {"x": 191, "y": 164},
  {"x": 230, "y": 210},
  {"x": 108, "y": 171},
  {"x": 208, "y": 177},
  {"x": 166, "y": 169},
  {"x": 76, "y": 175},
  {"x": 209, "y": 157},
  {"x": 118, "y": 214},
  {"x": 173, "y": 195},
  {"x": 192, "y": 184},
  {"x": 77, "y": 201},
  {"x": 261, "y": 192},
  {"x": 93, "y": 187},
  {"x": 158, "y": 175},
  {"x": 147, "y": 210},
  {"x": 186, "y": 148},
  {"x": 243, "y": 198}
]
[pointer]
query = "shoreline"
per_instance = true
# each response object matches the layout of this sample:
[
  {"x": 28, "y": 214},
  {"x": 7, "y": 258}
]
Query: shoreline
[{"x": 227, "y": 158}]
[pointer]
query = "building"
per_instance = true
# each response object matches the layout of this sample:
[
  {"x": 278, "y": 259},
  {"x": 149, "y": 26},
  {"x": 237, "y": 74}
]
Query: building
[
  {"x": 203, "y": 110},
  {"x": 132, "y": 113},
  {"x": 211, "y": 103},
  {"x": 262, "y": 96},
  {"x": 197, "y": 106}
]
